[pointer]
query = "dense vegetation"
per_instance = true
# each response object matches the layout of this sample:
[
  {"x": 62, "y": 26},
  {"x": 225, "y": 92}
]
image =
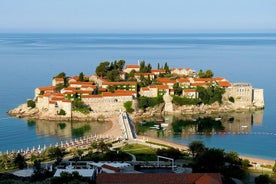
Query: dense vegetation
[
  {"x": 128, "y": 106},
  {"x": 210, "y": 94},
  {"x": 110, "y": 70},
  {"x": 177, "y": 100},
  {"x": 206, "y": 74},
  {"x": 145, "y": 102},
  {"x": 30, "y": 103}
]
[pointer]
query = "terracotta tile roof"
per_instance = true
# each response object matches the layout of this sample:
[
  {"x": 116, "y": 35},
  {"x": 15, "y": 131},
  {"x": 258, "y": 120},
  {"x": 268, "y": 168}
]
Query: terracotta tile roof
[
  {"x": 204, "y": 79},
  {"x": 105, "y": 166},
  {"x": 69, "y": 92},
  {"x": 224, "y": 83},
  {"x": 132, "y": 66},
  {"x": 158, "y": 178},
  {"x": 57, "y": 98},
  {"x": 102, "y": 89},
  {"x": 158, "y": 71},
  {"x": 143, "y": 74},
  {"x": 189, "y": 90},
  {"x": 67, "y": 101},
  {"x": 83, "y": 91},
  {"x": 145, "y": 88},
  {"x": 47, "y": 88},
  {"x": 166, "y": 80},
  {"x": 183, "y": 80},
  {"x": 162, "y": 87},
  {"x": 119, "y": 83},
  {"x": 52, "y": 102},
  {"x": 198, "y": 84},
  {"x": 80, "y": 83},
  {"x": 89, "y": 86},
  {"x": 69, "y": 88}
]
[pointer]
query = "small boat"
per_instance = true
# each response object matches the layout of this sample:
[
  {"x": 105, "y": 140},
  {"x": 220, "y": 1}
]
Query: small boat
[
  {"x": 160, "y": 120},
  {"x": 164, "y": 124},
  {"x": 244, "y": 126},
  {"x": 217, "y": 119}
]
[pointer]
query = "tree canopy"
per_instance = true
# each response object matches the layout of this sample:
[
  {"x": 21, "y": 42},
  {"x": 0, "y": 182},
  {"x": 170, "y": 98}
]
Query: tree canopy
[
  {"x": 110, "y": 70},
  {"x": 206, "y": 74},
  {"x": 210, "y": 94}
]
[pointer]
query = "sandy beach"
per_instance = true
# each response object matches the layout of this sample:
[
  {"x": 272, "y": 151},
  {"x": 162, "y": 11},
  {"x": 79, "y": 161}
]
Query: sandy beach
[{"x": 115, "y": 131}]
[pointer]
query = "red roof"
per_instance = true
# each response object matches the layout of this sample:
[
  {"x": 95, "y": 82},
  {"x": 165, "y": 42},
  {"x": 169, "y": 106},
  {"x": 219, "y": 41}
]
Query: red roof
[
  {"x": 80, "y": 83},
  {"x": 158, "y": 71},
  {"x": 145, "y": 88},
  {"x": 198, "y": 84},
  {"x": 224, "y": 83},
  {"x": 119, "y": 83},
  {"x": 47, "y": 88},
  {"x": 204, "y": 79},
  {"x": 189, "y": 90},
  {"x": 109, "y": 167},
  {"x": 132, "y": 66},
  {"x": 183, "y": 80},
  {"x": 159, "y": 178},
  {"x": 166, "y": 80}
]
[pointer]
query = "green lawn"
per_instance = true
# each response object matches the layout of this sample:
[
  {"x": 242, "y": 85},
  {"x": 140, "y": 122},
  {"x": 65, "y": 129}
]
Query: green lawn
[{"x": 142, "y": 152}]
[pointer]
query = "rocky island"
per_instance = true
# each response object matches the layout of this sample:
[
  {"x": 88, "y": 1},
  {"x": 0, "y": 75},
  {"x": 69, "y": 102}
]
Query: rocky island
[{"x": 140, "y": 90}]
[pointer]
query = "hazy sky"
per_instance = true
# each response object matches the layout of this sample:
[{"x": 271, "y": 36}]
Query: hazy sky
[{"x": 137, "y": 15}]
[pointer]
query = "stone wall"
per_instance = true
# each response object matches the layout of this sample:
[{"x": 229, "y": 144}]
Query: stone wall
[
  {"x": 107, "y": 104},
  {"x": 258, "y": 98}
]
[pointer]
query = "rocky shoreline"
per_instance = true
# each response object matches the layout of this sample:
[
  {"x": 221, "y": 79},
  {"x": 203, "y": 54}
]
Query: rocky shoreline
[{"x": 22, "y": 111}]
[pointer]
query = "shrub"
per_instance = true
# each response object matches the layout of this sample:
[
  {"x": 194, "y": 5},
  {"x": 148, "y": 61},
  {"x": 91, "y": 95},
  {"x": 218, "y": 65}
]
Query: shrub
[
  {"x": 62, "y": 112},
  {"x": 128, "y": 106},
  {"x": 185, "y": 101},
  {"x": 231, "y": 99},
  {"x": 145, "y": 102},
  {"x": 30, "y": 103}
]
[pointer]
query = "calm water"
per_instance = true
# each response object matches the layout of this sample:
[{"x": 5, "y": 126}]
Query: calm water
[{"x": 31, "y": 60}]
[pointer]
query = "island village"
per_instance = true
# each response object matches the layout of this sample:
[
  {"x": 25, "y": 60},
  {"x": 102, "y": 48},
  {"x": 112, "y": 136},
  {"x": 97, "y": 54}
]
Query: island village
[{"x": 104, "y": 96}]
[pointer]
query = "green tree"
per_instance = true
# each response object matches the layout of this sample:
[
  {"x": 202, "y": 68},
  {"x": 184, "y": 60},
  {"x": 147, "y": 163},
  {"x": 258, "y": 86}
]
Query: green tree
[
  {"x": 102, "y": 69},
  {"x": 232, "y": 158},
  {"x": 196, "y": 148},
  {"x": 209, "y": 74},
  {"x": 60, "y": 75},
  {"x": 177, "y": 89},
  {"x": 81, "y": 77},
  {"x": 120, "y": 64},
  {"x": 19, "y": 161},
  {"x": 231, "y": 99},
  {"x": 56, "y": 153},
  {"x": 113, "y": 75},
  {"x": 210, "y": 160},
  {"x": 31, "y": 103},
  {"x": 128, "y": 106},
  {"x": 274, "y": 167},
  {"x": 262, "y": 179},
  {"x": 61, "y": 112},
  {"x": 130, "y": 75},
  {"x": 166, "y": 67},
  {"x": 210, "y": 94}
]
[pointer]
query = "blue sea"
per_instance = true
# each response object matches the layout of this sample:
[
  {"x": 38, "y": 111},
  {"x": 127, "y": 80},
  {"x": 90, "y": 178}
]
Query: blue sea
[{"x": 31, "y": 60}]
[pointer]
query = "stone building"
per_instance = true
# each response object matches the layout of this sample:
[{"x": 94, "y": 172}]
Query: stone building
[{"x": 241, "y": 92}]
